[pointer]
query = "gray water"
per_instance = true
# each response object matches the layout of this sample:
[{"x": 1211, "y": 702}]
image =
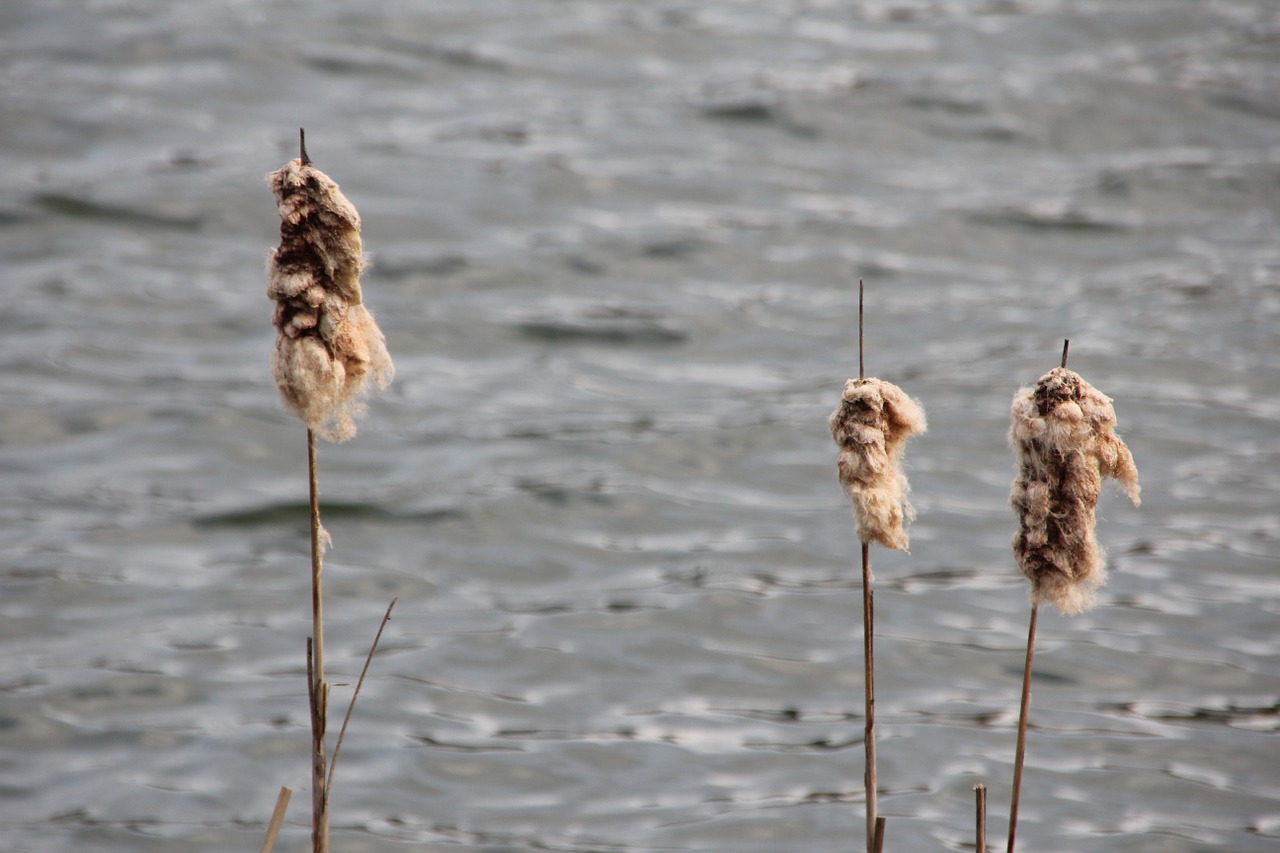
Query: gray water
[{"x": 615, "y": 248}]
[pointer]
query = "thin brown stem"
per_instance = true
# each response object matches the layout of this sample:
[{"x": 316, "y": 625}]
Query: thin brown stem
[
  {"x": 302, "y": 147},
  {"x": 877, "y": 842},
  {"x": 980, "y": 818},
  {"x": 1021, "y": 749},
  {"x": 317, "y": 687},
  {"x": 869, "y": 668},
  {"x": 342, "y": 732},
  {"x": 277, "y": 819},
  {"x": 317, "y": 559},
  {"x": 316, "y": 700},
  {"x": 1066, "y": 345}
]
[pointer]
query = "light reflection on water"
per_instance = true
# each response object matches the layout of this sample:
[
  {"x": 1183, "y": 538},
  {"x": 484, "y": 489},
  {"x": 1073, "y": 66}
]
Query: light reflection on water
[{"x": 614, "y": 252}]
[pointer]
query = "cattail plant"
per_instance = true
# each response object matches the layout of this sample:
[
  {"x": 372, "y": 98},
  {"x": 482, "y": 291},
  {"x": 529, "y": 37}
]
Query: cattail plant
[
  {"x": 1063, "y": 432},
  {"x": 328, "y": 350},
  {"x": 871, "y": 426}
]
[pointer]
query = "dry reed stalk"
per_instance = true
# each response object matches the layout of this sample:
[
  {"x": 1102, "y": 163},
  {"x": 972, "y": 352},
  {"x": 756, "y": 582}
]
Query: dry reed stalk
[
  {"x": 328, "y": 349},
  {"x": 871, "y": 426},
  {"x": 1063, "y": 431}
]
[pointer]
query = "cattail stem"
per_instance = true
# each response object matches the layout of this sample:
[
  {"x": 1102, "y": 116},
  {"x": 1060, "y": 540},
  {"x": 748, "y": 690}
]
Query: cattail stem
[
  {"x": 317, "y": 560},
  {"x": 317, "y": 688},
  {"x": 869, "y": 667},
  {"x": 1021, "y": 750},
  {"x": 877, "y": 841},
  {"x": 980, "y": 818}
]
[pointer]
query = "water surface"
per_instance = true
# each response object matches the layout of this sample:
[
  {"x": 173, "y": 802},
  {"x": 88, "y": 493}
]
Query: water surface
[{"x": 615, "y": 249}]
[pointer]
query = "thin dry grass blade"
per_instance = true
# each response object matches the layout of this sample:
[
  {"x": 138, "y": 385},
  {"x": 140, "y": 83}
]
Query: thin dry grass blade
[{"x": 342, "y": 732}]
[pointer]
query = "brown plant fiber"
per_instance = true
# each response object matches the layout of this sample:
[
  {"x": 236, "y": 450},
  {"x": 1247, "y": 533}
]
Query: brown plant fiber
[
  {"x": 871, "y": 425},
  {"x": 1063, "y": 432},
  {"x": 328, "y": 347}
]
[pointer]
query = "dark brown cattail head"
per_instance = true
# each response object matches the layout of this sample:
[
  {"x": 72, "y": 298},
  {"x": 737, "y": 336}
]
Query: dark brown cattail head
[
  {"x": 328, "y": 347},
  {"x": 1063, "y": 432},
  {"x": 871, "y": 425}
]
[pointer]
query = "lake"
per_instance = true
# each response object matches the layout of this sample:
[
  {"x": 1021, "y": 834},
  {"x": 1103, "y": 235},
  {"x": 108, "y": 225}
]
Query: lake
[{"x": 615, "y": 249}]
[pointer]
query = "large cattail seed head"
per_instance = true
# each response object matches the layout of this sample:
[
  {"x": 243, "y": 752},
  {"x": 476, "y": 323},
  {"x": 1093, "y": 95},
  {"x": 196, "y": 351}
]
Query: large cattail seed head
[
  {"x": 328, "y": 347},
  {"x": 871, "y": 425},
  {"x": 1063, "y": 432}
]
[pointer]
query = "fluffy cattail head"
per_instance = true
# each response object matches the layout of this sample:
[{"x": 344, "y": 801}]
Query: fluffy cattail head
[
  {"x": 1063, "y": 432},
  {"x": 328, "y": 347},
  {"x": 871, "y": 425}
]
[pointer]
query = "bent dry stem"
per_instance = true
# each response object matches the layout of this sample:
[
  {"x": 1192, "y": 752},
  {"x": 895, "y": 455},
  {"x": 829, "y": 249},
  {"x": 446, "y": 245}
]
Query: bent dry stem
[{"x": 342, "y": 732}]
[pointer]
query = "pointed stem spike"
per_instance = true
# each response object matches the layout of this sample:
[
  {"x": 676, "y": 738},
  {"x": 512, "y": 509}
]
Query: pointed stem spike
[
  {"x": 1066, "y": 344},
  {"x": 302, "y": 147},
  {"x": 862, "y": 371}
]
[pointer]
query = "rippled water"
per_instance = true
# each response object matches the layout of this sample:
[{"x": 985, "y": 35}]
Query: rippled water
[{"x": 615, "y": 253}]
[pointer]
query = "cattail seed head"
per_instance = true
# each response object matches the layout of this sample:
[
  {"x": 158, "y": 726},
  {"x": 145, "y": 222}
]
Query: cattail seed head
[
  {"x": 1063, "y": 432},
  {"x": 328, "y": 347},
  {"x": 871, "y": 425}
]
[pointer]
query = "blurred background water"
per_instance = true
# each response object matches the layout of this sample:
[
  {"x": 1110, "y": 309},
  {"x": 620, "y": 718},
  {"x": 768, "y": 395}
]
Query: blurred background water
[{"x": 615, "y": 250}]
